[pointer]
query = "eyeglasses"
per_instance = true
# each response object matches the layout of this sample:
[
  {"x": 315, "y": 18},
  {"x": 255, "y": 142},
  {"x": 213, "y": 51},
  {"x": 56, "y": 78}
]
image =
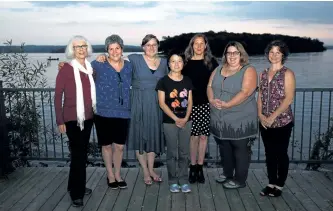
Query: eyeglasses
[
  {"x": 80, "y": 47},
  {"x": 149, "y": 46},
  {"x": 235, "y": 53}
]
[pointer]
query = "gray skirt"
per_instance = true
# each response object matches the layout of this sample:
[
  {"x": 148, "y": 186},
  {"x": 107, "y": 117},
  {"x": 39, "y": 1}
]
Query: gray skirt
[{"x": 145, "y": 131}]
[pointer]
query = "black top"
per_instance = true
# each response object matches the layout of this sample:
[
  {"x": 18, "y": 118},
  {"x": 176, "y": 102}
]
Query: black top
[
  {"x": 199, "y": 73},
  {"x": 176, "y": 95}
]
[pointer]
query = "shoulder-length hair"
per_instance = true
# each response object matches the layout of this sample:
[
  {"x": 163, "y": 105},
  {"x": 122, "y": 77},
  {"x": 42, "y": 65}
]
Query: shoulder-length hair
[
  {"x": 69, "y": 52},
  {"x": 244, "y": 57},
  {"x": 189, "y": 52},
  {"x": 283, "y": 48}
]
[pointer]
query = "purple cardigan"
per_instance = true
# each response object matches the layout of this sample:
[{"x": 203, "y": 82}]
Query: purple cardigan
[{"x": 65, "y": 84}]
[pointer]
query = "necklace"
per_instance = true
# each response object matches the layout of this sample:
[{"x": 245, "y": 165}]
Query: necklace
[{"x": 153, "y": 60}]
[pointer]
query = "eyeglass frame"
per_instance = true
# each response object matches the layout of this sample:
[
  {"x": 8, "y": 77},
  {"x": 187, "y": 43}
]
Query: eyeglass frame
[
  {"x": 80, "y": 47},
  {"x": 234, "y": 53}
]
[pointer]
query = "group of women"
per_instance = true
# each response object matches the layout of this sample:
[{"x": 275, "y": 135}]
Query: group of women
[{"x": 151, "y": 103}]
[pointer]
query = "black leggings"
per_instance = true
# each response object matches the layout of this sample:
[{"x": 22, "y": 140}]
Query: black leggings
[{"x": 276, "y": 142}]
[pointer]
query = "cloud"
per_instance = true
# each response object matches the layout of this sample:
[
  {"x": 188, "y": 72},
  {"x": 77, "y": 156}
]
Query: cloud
[{"x": 56, "y": 22}]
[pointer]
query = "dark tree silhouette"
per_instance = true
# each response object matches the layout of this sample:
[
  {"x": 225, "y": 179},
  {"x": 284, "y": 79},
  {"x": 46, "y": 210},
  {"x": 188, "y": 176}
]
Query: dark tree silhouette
[{"x": 253, "y": 43}]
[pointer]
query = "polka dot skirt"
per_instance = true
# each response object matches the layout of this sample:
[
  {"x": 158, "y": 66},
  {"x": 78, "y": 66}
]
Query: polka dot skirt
[{"x": 200, "y": 120}]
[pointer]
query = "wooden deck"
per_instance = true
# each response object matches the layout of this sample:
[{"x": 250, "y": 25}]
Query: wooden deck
[{"x": 44, "y": 189}]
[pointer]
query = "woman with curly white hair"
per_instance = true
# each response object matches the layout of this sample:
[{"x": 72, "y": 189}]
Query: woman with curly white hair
[{"x": 75, "y": 84}]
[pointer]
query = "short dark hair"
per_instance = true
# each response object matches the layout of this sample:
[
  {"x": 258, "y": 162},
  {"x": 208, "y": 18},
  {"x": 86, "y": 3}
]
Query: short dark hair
[
  {"x": 147, "y": 38},
  {"x": 175, "y": 52},
  {"x": 283, "y": 48}
]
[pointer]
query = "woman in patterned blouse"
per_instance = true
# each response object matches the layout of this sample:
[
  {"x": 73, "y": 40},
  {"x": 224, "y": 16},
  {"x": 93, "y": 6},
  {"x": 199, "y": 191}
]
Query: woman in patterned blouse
[{"x": 276, "y": 93}]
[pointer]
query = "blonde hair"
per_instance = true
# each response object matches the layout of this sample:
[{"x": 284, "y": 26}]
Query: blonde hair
[{"x": 244, "y": 57}]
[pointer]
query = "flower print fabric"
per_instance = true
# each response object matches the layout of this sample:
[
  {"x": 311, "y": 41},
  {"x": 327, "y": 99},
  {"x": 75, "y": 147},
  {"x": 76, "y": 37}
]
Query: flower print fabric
[{"x": 176, "y": 95}]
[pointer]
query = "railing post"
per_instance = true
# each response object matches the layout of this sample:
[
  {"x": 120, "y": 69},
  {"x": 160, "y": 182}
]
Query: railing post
[{"x": 4, "y": 139}]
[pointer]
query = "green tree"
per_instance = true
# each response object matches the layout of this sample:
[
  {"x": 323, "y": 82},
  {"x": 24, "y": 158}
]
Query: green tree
[{"x": 22, "y": 109}]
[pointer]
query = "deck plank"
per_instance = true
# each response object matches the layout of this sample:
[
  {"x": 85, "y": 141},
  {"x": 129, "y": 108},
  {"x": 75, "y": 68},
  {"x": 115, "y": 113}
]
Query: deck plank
[
  {"x": 16, "y": 185},
  {"x": 36, "y": 190},
  {"x": 321, "y": 189},
  {"x": 164, "y": 195},
  {"x": 263, "y": 202},
  {"x": 45, "y": 195},
  {"x": 324, "y": 178},
  {"x": 218, "y": 192},
  {"x": 248, "y": 199},
  {"x": 13, "y": 178},
  {"x": 45, "y": 189},
  {"x": 292, "y": 201},
  {"x": 58, "y": 194},
  {"x": 65, "y": 203},
  {"x": 110, "y": 196},
  {"x": 151, "y": 195},
  {"x": 302, "y": 197},
  {"x": 311, "y": 191},
  {"x": 125, "y": 195},
  {"x": 277, "y": 202},
  {"x": 97, "y": 195},
  {"x": 92, "y": 183},
  {"x": 24, "y": 189},
  {"x": 136, "y": 201},
  {"x": 205, "y": 195}
]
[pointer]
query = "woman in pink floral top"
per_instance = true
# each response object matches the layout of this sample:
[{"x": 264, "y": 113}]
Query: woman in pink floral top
[{"x": 276, "y": 93}]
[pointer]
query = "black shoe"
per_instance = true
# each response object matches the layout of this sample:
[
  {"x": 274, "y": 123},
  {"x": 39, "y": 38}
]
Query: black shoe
[
  {"x": 201, "y": 177},
  {"x": 77, "y": 203},
  {"x": 275, "y": 193},
  {"x": 192, "y": 178},
  {"x": 122, "y": 184},
  {"x": 266, "y": 191},
  {"x": 87, "y": 191},
  {"x": 112, "y": 185}
]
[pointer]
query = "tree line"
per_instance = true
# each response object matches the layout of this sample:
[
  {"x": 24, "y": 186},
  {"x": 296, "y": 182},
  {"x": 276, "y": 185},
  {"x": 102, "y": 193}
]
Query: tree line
[{"x": 253, "y": 43}]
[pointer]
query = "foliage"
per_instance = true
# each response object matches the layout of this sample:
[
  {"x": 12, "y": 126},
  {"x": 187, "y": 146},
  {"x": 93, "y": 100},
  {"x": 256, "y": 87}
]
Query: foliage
[
  {"x": 321, "y": 149},
  {"x": 22, "y": 111},
  {"x": 253, "y": 43}
]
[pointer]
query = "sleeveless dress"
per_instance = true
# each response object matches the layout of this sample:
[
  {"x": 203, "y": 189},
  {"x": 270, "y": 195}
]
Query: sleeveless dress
[
  {"x": 238, "y": 122},
  {"x": 145, "y": 132}
]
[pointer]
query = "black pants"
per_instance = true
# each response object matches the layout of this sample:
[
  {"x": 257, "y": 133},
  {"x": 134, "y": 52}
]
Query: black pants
[
  {"x": 78, "y": 144},
  {"x": 236, "y": 158},
  {"x": 276, "y": 142}
]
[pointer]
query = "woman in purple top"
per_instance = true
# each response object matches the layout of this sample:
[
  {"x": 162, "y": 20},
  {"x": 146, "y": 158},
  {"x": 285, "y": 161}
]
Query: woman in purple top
[
  {"x": 75, "y": 117},
  {"x": 276, "y": 93}
]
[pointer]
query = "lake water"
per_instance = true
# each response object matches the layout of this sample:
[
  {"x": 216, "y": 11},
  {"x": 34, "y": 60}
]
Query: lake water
[{"x": 312, "y": 70}]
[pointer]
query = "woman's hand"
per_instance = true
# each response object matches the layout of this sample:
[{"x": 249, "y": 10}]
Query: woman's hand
[
  {"x": 263, "y": 121},
  {"x": 270, "y": 120},
  {"x": 62, "y": 128},
  {"x": 60, "y": 65},
  {"x": 101, "y": 58},
  {"x": 217, "y": 103},
  {"x": 181, "y": 122}
]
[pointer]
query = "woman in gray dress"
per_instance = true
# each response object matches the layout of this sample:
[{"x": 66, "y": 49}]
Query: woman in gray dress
[
  {"x": 145, "y": 132},
  {"x": 231, "y": 94}
]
